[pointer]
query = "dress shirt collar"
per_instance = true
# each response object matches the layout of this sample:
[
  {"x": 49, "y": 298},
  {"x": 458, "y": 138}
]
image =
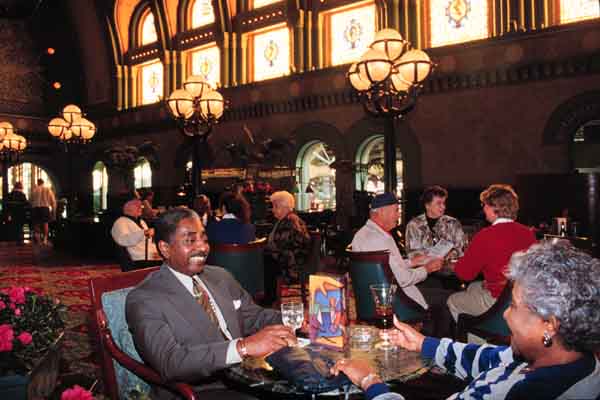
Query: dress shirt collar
[
  {"x": 376, "y": 226},
  {"x": 502, "y": 221},
  {"x": 229, "y": 216},
  {"x": 185, "y": 280}
]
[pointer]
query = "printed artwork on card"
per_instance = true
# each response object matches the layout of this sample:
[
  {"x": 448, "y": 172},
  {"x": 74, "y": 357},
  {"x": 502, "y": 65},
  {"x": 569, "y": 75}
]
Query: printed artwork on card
[{"x": 327, "y": 314}]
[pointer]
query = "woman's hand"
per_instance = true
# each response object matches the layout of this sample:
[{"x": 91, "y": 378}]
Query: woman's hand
[
  {"x": 406, "y": 336},
  {"x": 356, "y": 371}
]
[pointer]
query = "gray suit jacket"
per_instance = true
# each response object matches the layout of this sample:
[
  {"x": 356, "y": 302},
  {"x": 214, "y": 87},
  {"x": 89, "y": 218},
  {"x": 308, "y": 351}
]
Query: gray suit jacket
[{"x": 173, "y": 333}]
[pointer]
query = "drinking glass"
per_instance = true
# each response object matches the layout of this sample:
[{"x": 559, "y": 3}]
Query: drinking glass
[
  {"x": 383, "y": 297},
  {"x": 292, "y": 314}
]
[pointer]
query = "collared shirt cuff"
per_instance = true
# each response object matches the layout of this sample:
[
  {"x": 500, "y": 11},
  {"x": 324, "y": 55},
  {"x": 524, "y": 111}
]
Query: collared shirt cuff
[
  {"x": 375, "y": 390},
  {"x": 429, "y": 347},
  {"x": 233, "y": 357}
]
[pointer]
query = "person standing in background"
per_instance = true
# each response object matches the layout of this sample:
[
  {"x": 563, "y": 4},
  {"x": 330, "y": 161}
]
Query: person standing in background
[
  {"x": 43, "y": 211},
  {"x": 16, "y": 202}
]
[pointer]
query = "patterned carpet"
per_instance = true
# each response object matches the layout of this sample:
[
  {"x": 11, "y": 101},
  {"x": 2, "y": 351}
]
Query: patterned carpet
[{"x": 66, "y": 280}]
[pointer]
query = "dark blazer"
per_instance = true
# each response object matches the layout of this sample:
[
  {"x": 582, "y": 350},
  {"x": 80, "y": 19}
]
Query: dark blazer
[
  {"x": 173, "y": 333},
  {"x": 230, "y": 231}
]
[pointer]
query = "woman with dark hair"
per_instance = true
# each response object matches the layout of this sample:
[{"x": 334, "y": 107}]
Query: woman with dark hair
[
  {"x": 555, "y": 323},
  {"x": 233, "y": 228},
  {"x": 425, "y": 231}
]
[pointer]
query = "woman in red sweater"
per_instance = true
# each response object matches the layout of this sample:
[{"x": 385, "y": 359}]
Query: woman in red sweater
[{"x": 489, "y": 252}]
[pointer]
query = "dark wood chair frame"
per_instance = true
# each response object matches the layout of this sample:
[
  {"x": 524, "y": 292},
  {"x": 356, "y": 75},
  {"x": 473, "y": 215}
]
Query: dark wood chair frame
[
  {"x": 108, "y": 349},
  {"x": 468, "y": 323},
  {"x": 383, "y": 257}
]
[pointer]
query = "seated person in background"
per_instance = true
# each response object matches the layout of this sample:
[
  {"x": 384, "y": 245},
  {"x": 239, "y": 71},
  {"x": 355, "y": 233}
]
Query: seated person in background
[
  {"x": 131, "y": 231},
  {"x": 148, "y": 213},
  {"x": 426, "y": 230},
  {"x": 490, "y": 251},
  {"x": 190, "y": 321},
  {"x": 555, "y": 323},
  {"x": 288, "y": 246},
  {"x": 374, "y": 236},
  {"x": 203, "y": 208},
  {"x": 234, "y": 226}
]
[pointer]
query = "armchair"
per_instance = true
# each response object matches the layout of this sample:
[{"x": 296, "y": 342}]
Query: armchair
[
  {"x": 491, "y": 324},
  {"x": 244, "y": 261},
  {"x": 123, "y": 370},
  {"x": 371, "y": 267}
]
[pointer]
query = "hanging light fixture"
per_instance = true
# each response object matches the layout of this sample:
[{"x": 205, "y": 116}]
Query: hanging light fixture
[
  {"x": 71, "y": 126},
  {"x": 11, "y": 144}
]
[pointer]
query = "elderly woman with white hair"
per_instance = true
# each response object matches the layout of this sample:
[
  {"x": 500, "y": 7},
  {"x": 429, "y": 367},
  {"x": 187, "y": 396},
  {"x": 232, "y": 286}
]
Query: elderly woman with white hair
[
  {"x": 288, "y": 244},
  {"x": 555, "y": 323}
]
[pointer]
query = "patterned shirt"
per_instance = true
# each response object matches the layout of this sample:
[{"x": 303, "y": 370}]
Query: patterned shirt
[
  {"x": 494, "y": 373},
  {"x": 420, "y": 238}
]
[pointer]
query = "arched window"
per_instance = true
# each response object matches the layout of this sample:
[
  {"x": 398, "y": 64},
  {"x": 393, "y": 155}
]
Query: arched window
[
  {"x": 585, "y": 147},
  {"x": 100, "y": 186},
  {"x": 316, "y": 184},
  {"x": 370, "y": 167},
  {"x": 348, "y": 32},
  {"x": 202, "y": 13},
  {"x": 147, "y": 33},
  {"x": 269, "y": 53},
  {"x": 456, "y": 21},
  {"x": 578, "y": 10},
  {"x": 28, "y": 174},
  {"x": 142, "y": 174}
]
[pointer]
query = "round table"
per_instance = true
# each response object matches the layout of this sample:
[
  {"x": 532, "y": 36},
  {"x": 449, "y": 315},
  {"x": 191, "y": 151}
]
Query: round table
[{"x": 257, "y": 377}]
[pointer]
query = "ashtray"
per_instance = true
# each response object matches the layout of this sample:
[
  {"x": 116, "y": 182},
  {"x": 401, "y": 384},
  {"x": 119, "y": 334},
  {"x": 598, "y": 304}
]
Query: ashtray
[{"x": 362, "y": 335}]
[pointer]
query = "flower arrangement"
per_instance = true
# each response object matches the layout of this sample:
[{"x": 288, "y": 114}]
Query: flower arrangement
[
  {"x": 76, "y": 393},
  {"x": 29, "y": 324}
]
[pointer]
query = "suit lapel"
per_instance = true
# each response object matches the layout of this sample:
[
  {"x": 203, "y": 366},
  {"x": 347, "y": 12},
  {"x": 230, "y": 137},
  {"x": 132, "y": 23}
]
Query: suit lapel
[{"x": 219, "y": 290}]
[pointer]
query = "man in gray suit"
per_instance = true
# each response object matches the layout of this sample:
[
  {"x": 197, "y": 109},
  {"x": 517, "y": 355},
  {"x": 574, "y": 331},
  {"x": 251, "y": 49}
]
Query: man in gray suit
[{"x": 183, "y": 337}]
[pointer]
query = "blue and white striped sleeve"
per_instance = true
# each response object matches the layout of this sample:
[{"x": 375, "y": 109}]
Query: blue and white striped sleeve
[{"x": 465, "y": 361}]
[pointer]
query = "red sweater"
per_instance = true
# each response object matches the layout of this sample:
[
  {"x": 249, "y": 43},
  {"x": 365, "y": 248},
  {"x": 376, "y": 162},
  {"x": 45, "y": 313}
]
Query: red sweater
[{"x": 490, "y": 252}]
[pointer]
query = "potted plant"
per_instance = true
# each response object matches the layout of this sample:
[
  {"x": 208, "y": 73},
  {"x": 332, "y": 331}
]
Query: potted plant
[{"x": 31, "y": 326}]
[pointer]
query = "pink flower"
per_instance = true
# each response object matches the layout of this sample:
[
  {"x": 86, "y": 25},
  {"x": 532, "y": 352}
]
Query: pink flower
[
  {"x": 2, "y": 305},
  {"x": 6, "y": 337},
  {"x": 17, "y": 295},
  {"x": 25, "y": 338},
  {"x": 18, "y": 312},
  {"x": 76, "y": 393}
]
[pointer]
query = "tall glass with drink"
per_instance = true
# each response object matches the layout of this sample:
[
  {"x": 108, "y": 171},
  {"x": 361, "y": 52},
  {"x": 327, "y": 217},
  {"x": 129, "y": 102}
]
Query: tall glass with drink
[
  {"x": 292, "y": 314},
  {"x": 383, "y": 298}
]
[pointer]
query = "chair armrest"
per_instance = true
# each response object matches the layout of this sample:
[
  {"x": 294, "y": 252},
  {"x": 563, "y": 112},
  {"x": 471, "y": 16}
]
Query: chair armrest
[{"x": 140, "y": 369}]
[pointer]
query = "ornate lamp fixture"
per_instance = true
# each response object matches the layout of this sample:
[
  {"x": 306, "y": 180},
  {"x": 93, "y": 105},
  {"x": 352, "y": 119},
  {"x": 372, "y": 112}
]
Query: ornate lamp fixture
[
  {"x": 196, "y": 109},
  {"x": 72, "y": 127},
  {"x": 388, "y": 77},
  {"x": 11, "y": 144}
]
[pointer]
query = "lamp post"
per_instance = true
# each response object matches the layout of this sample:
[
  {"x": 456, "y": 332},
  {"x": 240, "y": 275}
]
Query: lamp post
[
  {"x": 72, "y": 130},
  {"x": 11, "y": 147},
  {"x": 388, "y": 78},
  {"x": 196, "y": 109}
]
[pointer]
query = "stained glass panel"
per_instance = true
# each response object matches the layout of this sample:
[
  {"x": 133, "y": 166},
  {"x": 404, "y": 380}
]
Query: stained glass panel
[
  {"x": 351, "y": 33},
  {"x": 207, "y": 63},
  {"x": 152, "y": 82},
  {"x": 457, "y": 21},
  {"x": 202, "y": 13},
  {"x": 578, "y": 10},
  {"x": 271, "y": 54},
  {"x": 148, "y": 34},
  {"x": 262, "y": 3}
]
